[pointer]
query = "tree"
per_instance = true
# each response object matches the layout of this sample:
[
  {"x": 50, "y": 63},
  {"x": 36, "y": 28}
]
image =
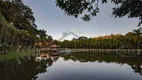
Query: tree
[
  {"x": 50, "y": 39},
  {"x": 17, "y": 25},
  {"x": 129, "y": 8},
  {"x": 42, "y": 34},
  {"x": 138, "y": 33}
]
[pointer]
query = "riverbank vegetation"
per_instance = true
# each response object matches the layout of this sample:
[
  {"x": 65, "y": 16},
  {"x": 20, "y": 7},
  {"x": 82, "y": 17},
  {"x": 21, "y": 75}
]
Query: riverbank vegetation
[
  {"x": 131, "y": 40},
  {"x": 135, "y": 61},
  {"x": 18, "y": 30},
  {"x": 13, "y": 55},
  {"x": 26, "y": 68}
]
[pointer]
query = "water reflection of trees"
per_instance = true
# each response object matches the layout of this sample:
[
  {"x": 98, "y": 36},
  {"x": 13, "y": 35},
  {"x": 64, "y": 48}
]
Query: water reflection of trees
[
  {"x": 27, "y": 68},
  {"x": 134, "y": 62},
  {"x": 138, "y": 66},
  {"x": 23, "y": 69}
]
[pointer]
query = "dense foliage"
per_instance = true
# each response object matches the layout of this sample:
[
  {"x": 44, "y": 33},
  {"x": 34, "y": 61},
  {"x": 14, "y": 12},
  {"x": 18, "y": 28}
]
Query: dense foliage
[
  {"x": 17, "y": 26},
  {"x": 18, "y": 29},
  {"x": 134, "y": 62},
  {"x": 25, "y": 68},
  {"x": 131, "y": 40}
]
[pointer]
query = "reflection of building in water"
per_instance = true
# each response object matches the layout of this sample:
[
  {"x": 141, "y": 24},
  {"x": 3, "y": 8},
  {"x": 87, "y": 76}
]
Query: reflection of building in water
[
  {"x": 47, "y": 56},
  {"x": 55, "y": 58},
  {"x": 43, "y": 56}
]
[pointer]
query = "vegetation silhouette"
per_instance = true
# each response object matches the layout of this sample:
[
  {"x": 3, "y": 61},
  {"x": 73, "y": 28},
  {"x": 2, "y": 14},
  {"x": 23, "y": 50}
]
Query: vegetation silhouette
[
  {"x": 25, "y": 68},
  {"x": 90, "y": 8},
  {"x": 134, "y": 62},
  {"x": 131, "y": 40},
  {"x": 18, "y": 30}
]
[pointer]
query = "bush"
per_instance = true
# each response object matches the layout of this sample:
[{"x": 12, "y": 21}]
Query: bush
[{"x": 1, "y": 48}]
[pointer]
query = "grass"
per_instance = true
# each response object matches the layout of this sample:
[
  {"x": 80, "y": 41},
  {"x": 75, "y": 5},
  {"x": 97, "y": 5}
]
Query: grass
[{"x": 14, "y": 55}]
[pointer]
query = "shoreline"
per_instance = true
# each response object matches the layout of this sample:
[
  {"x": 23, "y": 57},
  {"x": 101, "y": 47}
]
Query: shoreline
[
  {"x": 129, "y": 51},
  {"x": 14, "y": 55}
]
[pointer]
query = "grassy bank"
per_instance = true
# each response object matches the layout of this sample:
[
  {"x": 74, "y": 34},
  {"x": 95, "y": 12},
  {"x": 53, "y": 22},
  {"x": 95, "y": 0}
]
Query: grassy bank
[{"x": 13, "y": 55}]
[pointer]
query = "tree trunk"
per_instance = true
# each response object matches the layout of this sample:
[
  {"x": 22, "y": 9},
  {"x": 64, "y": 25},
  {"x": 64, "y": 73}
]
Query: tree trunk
[{"x": 1, "y": 35}]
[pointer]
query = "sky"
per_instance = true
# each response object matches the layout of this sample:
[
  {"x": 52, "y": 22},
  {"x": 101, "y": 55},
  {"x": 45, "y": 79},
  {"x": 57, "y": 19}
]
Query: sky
[{"x": 55, "y": 21}]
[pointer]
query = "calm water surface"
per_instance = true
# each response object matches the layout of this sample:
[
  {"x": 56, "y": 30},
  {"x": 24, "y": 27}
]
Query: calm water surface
[{"x": 77, "y": 66}]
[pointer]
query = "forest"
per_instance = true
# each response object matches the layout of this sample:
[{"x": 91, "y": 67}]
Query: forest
[
  {"x": 131, "y": 40},
  {"x": 18, "y": 30}
]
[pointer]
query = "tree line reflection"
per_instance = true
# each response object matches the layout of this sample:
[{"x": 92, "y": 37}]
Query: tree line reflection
[
  {"x": 135, "y": 61},
  {"x": 27, "y": 68}
]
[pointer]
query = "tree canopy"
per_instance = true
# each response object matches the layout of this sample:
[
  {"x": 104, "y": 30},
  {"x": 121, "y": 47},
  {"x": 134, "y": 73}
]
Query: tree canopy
[
  {"x": 17, "y": 25},
  {"x": 90, "y": 8},
  {"x": 132, "y": 40}
]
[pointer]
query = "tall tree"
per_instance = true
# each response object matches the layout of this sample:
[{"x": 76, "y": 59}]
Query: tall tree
[
  {"x": 138, "y": 33},
  {"x": 17, "y": 25}
]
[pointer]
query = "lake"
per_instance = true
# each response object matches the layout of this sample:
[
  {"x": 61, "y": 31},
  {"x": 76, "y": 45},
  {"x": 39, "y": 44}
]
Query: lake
[{"x": 76, "y": 66}]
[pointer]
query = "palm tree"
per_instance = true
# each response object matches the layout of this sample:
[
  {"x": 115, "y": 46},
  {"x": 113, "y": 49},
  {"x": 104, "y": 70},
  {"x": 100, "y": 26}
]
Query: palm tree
[
  {"x": 5, "y": 30},
  {"x": 2, "y": 23},
  {"x": 138, "y": 33}
]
